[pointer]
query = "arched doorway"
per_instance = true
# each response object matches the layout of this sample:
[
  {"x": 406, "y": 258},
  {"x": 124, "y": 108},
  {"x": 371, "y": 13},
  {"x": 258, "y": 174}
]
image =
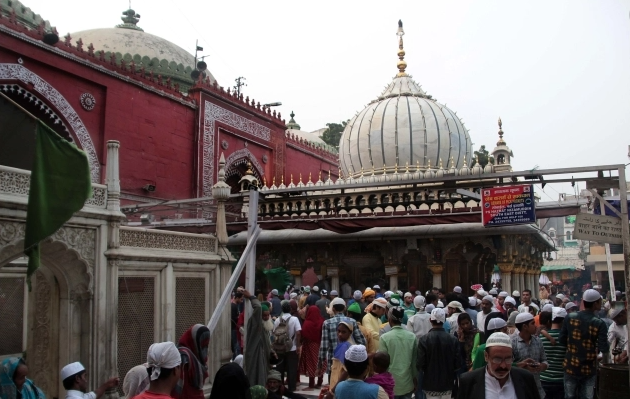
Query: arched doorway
[{"x": 57, "y": 311}]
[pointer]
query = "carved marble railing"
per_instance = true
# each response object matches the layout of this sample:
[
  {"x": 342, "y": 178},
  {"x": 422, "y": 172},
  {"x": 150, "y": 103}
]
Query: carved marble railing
[
  {"x": 16, "y": 182},
  {"x": 134, "y": 237}
]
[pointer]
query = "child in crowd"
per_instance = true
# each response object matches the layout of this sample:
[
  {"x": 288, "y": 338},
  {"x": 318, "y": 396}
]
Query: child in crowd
[
  {"x": 382, "y": 377},
  {"x": 345, "y": 340}
]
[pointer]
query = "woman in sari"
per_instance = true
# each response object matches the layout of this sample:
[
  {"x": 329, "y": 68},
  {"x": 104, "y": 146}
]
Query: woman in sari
[
  {"x": 193, "y": 348},
  {"x": 13, "y": 381},
  {"x": 311, "y": 338}
]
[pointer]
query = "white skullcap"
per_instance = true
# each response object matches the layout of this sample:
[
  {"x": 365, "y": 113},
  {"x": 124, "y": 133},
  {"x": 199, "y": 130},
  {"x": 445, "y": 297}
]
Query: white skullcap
[
  {"x": 547, "y": 308},
  {"x": 569, "y": 305},
  {"x": 274, "y": 292},
  {"x": 558, "y": 312},
  {"x": 516, "y": 293},
  {"x": 387, "y": 294},
  {"x": 524, "y": 317},
  {"x": 617, "y": 293},
  {"x": 407, "y": 294},
  {"x": 472, "y": 302},
  {"x": 420, "y": 293},
  {"x": 315, "y": 288},
  {"x": 597, "y": 287},
  {"x": 561, "y": 296},
  {"x": 503, "y": 294},
  {"x": 488, "y": 298},
  {"x": 376, "y": 287},
  {"x": 357, "y": 295},
  {"x": 356, "y": 353},
  {"x": 493, "y": 292},
  {"x": 334, "y": 293},
  {"x": 591, "y": 296},
  {"x": 510, "y": 300},
  {"x": 367, "y": 288},
  {"x": 614, "y": 312},
  {"x": 440, "y": 304},
  {"x": 337, "y": 301},
  {"x": 457, "y": 289},
  {"x": 429, "y": 308},
  {"x": 481, "y": 292},
  {"x": 438, "y": 315},
  {"x": 293, "y": 295},
  {"x": 496, "y": 323},
  {"x": 499, "y": 339},
  {"x": 163, "y": 354},
  {"x": 71, "y": 369},
  {"x": 324, "y": 292},
  {"x": 419, "y": 302}
]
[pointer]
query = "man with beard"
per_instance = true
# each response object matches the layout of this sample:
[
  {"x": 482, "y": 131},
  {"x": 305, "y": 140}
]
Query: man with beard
[
  {"x": 408, "y": 306},
  {"x": 500, "y": 302},
  {"x": 258, "y": 348},
  {"x": 267, "y": 321},
  {"x": 498, "y": 380},
  {"x": 323, "y": 304},
  {"x": 372, "y": 319},
  {"x": 276, "y": 390}
]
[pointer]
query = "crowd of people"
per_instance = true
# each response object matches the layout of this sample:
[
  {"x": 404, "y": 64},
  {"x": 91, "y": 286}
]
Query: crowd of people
[{"x": 391, "y": 345}]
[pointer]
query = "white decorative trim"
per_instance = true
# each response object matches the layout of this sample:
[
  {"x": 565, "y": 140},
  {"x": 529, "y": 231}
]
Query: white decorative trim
[
  {"x": 19, "y": 72},
  {"x": 244, "y": 153},
  {"x": 212, "y": 113}
]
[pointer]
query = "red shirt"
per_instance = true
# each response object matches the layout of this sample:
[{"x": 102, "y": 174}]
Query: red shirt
[{"x": 152, "y": 395}]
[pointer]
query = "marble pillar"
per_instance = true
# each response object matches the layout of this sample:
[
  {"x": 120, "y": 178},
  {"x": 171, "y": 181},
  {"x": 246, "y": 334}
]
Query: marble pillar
[
  {"x": 334, "y": 283},
  {"x": 506, "y": 275},
  {"x": 437, "y": 274},
  {"x": 393, "y": 282}
]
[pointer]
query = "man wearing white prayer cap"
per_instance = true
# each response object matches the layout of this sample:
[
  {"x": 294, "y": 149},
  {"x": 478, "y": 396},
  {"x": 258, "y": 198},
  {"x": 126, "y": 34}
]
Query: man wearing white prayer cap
[
  {"x": 618, "y": 335},
  {"x": 498, "y": 379},
  {"x": 75, "y": 381},
  {"x": 164, "y": 366},
  {"x": 438, "y": 358},
  {"x": 457, "y": 289},
  {"x": 552, "y": 379},
  {"x": 356, "y": 364},
  {"x": 581, "y": 360},
  {"x": 528, "y": 350},
  {"x": 487, "y": 306}
]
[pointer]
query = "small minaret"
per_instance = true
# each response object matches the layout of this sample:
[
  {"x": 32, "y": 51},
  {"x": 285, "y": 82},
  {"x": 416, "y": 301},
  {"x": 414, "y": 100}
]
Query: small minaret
[{"x": 502, "y": 153}]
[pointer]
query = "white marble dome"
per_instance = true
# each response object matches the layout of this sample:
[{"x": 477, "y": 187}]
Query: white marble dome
[{"x": 403, "y": 126}]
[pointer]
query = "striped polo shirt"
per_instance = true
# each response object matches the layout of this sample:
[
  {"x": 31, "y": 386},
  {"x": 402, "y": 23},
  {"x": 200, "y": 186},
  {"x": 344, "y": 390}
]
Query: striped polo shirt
[{"x": 555, "y": 357}]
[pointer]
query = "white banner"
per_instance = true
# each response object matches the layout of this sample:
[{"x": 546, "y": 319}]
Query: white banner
[{"x": 598, "y": 228}]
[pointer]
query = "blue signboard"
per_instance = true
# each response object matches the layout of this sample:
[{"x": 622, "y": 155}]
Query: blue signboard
[{"x": 508, "y": 205}]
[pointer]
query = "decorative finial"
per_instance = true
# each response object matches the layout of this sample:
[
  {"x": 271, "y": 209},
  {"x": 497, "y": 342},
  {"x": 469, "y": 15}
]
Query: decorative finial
[
  {"x": 249, "y": 170},
  {"x": 429, "y": 165},
  {"x": 417, "y": 165},
  {"x": 402, "y": 65},
  {"x": 406, "y": 167},
  {"x": 273, "y": 181},
  {"x": 292, "y": 123},
  {"x": 441, "y": 167},
  {"x": 452, "y": 162},
  {"x": 501, "y": 141},
  {"x": 130, "y": 20},
  {"x": 301, "y": 178}
]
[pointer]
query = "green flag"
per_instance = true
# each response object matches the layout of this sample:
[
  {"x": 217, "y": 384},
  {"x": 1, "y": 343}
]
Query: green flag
[
  {"x": 278, "y": 278},
  {"x": 60, "y": 185}
]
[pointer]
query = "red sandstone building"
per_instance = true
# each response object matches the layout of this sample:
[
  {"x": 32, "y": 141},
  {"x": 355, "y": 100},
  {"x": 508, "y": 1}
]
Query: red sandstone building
[{"x": 124, "y": 84}]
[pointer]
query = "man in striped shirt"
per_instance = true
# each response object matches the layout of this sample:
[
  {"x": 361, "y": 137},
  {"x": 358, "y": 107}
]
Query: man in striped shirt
[{"x": 552, "y": 379}]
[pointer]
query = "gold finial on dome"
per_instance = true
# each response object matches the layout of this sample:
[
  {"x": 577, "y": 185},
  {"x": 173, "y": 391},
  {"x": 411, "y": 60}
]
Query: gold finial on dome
[
  {"x": 402, "y": 65},
  {"x": 501, "y": 141},
  {"x": 249, "y": 170}
]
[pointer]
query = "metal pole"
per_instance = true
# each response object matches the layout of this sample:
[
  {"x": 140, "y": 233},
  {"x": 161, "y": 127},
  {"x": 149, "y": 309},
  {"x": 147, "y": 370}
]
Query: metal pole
[
  {"x": 250, "y": 269},
  {"x": 625, "y": 231},
  {"x": 251, "y": 245},
  {"x": 611, "y": 278}
]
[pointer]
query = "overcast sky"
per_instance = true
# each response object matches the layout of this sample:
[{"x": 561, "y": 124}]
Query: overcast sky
[{"x": 556, "y": 72}]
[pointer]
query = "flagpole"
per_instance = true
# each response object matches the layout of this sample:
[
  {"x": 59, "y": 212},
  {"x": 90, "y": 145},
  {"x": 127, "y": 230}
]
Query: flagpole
[{"x": 19, "y": 106}]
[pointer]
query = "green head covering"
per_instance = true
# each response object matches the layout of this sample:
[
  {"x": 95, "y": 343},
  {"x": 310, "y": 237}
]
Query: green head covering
[
  {"x": 395, "y": 296},
  {"x": 265, "y": 308},
  {"x": 355, "y": 308},
  {"x": 258, "y": 392}
]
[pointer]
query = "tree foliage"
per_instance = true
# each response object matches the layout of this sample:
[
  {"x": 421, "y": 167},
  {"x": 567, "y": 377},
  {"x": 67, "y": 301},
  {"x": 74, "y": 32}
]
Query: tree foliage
[
  {"x": 484, "y": 157},
  {"x": 332, "y": 135}
]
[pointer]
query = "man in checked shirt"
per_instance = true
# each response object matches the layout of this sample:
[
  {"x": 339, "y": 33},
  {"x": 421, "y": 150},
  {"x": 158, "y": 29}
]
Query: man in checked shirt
[
  {"x": 329, "y": 333},
  {"x": 584, "y": 335}
]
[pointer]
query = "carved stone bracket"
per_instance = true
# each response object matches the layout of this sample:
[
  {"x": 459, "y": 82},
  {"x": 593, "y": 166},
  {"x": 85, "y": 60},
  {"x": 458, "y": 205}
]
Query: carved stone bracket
[{"x": 436, "y": 269}]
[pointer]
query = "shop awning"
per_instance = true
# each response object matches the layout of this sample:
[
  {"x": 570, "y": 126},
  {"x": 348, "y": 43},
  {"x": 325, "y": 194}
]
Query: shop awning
[{"x": 562, "y": 264}]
